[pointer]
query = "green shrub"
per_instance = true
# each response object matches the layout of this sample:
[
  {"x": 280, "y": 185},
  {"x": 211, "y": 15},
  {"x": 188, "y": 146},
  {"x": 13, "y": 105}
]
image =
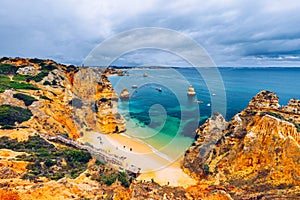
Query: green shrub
[
  {"x": 206, "y": 169},
  {"x": 108, "y": 177},
  {"x": 42, "y": 151},
  {"x": 110, "y": 180},
  {"x": 7, "y": 127},
  {"x": 46, "y": 83},
  {"x": 37, "y": 78},
  {"x": 56, "y": 176},
  {"x": 4, "y": 78},
  {"x": 40, "y": 76},
  {"x": 36, "y": 60},
  {"x": 54, "y": 82},
  {"x": 6, "y": 83},
  {"x": 103, "y": 99},
  {"x": 4, "y": 59},
  {"x": 28, "y": 100},
  {"x": 44, "y": 97},
  {"x": 49, "y": 67},
  {"x": 8, "y": 69},
  {"x": 21, "y": 77},
  {"x": 77, "y": 155},
  {"x": 11, "y": 114},
  {"x": 71, "y": 68},
  {"x": 124, "y": 179},
  {"x": 49, "y": 162},
  {"x": 25, "y": 86},
  {"x": 98, "y": 162}
]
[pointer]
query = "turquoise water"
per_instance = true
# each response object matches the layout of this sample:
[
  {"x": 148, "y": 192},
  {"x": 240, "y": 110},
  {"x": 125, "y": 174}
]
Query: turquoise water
[{"x": 167, "y": 119}]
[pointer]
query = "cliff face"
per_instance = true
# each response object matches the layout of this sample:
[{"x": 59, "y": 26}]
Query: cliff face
[
  {"x": 68, "y": 99},
  {"x": 256, "y": 153}
]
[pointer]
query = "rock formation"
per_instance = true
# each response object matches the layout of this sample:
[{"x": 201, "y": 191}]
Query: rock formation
[
  {"x": 69, "y": 99},
  {"x": 191, "y": 91},
  {"x": 256, "y": 154},
  {"x": 125, "y": 94},
  {"x": 28, "y": 70}
]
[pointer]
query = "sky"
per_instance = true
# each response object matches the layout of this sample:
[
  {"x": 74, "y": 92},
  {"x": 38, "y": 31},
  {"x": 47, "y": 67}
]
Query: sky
[{"x": 233, "y": 32}]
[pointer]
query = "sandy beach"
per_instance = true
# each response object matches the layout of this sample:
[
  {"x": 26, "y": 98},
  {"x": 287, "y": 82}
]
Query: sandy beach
[{"x": 153, "y": 164}]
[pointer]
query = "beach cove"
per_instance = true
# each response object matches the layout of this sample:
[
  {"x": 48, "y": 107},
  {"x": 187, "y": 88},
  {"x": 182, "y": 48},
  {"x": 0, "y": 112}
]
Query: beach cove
[
  {"x": 153, "y": 164},
  {"x": 158, "y": 123},
  {"x": 159, "y": 127}
]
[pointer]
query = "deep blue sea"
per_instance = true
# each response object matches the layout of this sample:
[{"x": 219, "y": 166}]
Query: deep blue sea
[{"x": 161, "y": 114}]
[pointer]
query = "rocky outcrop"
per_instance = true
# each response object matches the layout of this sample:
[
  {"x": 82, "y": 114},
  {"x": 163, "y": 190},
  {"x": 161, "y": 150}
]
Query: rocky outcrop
[
  {"x": 125, "y": 94},
  {"x": 255, "y": 154},
  {"x": 191, "y": 91},
  {"x": 70, "y": 99},
  {"x": 264, "y": 100},
  {"x": 28, "y": 70},
  {"x": 7, "y": 98},
  {"x": 151, "y": 190}
]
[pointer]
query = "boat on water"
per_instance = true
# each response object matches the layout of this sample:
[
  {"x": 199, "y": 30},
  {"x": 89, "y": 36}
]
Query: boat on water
[
  {"x": 134, "y": 86},
  {"x": 159, "y": 89},
  {"x": 213, "y": 94},
  {"x": 198, "y": 101},
  {"x": 191, "y": 91},
  {"x": 208, "y": 105}
]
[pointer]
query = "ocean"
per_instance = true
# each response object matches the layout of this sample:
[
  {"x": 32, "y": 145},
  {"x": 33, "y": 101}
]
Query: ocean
[{"x": 161, "y": 114}]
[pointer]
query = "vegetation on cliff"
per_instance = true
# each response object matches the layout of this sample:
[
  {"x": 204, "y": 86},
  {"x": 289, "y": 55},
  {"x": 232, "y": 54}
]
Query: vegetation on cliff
[
  {"x": 11, "y": 114},
  {"x": 46, "y": 160},
  {"x": 8, "y": 69},
  {"x": 88, "y": 91},
  {"x": 108, "y": 176},
  {"x": 44, "y": 71},
  {"x": 28, "y": 100},
  {"x": 254, "y": 155},
  {"x": 6, "y": 83}
]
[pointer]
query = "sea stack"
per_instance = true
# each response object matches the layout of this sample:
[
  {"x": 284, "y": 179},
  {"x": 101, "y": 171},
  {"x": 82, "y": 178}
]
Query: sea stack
[
  {"x": 124, "y": 96},
  {"x": 145, "y": 74},
  {"x": 191, "y": 91}
]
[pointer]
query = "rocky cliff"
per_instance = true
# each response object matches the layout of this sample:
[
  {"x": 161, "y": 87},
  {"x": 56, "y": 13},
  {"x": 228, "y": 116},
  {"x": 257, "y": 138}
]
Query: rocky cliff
[
  {"x": 65, "y": 99},
  {"x": 254, "y": 155}
]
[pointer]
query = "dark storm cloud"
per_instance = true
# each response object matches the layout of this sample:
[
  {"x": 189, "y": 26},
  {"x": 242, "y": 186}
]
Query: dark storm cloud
[{"x": 234, "y": 32}]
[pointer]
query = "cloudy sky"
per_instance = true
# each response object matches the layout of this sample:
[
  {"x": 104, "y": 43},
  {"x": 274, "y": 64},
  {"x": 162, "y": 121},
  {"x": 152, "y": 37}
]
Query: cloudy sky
[{"x": 233, "y": 32}]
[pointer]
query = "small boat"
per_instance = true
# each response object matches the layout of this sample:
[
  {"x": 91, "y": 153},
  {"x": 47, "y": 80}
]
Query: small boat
[
  {"x": 145, "y": 74},
  {"x": 134, "y": 86},
  {"x": 213, "y": 94},
  {"x": 198, "y": 101},
  {"x": 159, "y": 89},
  {"x": 191, "y": 91},
  {"x": 208, "y": 104}
]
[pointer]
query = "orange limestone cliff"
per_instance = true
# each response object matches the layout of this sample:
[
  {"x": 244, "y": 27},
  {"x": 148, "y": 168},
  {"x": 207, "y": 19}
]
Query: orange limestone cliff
[
  {"x": 66, "y": 99},
  {"x": 256, "y": 154}
]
